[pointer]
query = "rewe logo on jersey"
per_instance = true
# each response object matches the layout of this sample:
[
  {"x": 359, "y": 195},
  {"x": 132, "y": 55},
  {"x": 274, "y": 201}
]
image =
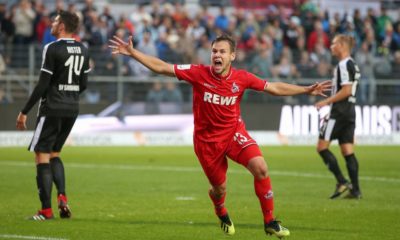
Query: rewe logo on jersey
[{"x": 220, "y": 100}]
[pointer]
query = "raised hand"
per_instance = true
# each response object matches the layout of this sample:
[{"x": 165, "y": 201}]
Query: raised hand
[
  {"x": 319, "y": 89},
  {"x": 119, "y": 46}
]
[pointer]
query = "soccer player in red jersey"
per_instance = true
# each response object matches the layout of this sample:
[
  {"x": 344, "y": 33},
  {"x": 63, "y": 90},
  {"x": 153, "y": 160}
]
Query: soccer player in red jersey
[{"x": 219, "y": 130}]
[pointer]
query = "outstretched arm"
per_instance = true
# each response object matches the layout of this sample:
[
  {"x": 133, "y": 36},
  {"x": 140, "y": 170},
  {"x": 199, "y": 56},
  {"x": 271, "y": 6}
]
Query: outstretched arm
[
  {"x": 119, "y": 46},
  {"x": 286, "y": 89}
]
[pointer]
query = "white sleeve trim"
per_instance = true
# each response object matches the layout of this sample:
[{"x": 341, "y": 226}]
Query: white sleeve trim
[
  {"x": 265, "y": 85},
  {"x": 346, "y": 83},
  {"x": 44, "y": 53},
  {"x": 173, "y": 69},
  {"x": 344, "y": 73},
  {"x": 45, "y": 70},
  {"x": 86, "y": 71}
]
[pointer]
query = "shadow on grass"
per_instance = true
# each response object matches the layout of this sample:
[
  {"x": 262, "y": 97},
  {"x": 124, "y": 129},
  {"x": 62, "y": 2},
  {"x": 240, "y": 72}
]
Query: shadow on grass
[
  {"x": 293, "y": 228},
  {"x": 163, "y": 223}
]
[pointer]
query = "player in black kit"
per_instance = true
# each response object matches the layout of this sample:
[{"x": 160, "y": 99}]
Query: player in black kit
[
  {"x": 63, "y": 77},
  {"x": 340, "y": 123}
]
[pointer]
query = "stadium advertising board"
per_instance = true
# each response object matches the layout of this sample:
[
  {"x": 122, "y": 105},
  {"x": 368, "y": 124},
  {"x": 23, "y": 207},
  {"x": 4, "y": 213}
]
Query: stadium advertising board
[
  {"x": 298, "y": 125},
  {"x": 374, "y": 124}
]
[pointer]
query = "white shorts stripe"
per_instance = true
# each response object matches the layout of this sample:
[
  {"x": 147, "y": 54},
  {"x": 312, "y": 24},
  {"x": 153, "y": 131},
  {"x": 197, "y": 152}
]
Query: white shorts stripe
[
  {"x": 37, "y": 133},
  {"x": 329, "y": 128}
]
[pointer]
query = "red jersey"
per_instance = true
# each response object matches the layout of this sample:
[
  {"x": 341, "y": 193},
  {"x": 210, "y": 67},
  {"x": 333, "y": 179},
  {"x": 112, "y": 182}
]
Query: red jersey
[{"x": 216, "y": 100}]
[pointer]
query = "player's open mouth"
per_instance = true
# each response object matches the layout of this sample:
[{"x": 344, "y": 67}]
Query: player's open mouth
[{"x": 217, "y": 63}]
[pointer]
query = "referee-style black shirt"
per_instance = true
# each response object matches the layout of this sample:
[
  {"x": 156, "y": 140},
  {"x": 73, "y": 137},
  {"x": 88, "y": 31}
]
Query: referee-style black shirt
[
  {"x": 346, "y": 72},
  {"x": 63, "y": 77}
]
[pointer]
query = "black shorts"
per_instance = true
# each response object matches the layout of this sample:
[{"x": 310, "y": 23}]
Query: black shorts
[
  {"x": 342, "y": 130},
  {"x": 51, "y": 133}
]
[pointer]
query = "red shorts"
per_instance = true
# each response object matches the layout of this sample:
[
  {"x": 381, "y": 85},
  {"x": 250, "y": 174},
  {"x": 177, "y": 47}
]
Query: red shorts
[{"x": 213, "y": 155}]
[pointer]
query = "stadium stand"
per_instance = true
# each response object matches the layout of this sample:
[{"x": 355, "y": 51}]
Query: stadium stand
[{"x": 278, "y": 40}]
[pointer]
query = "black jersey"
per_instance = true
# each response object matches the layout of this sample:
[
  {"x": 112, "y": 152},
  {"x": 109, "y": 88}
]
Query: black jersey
[
  {"x": 63, "y": 77},
  {"x": 346, "y": 72}
]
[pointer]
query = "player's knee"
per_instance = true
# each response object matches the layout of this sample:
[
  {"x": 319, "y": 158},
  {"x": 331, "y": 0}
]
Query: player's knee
[
  {"x": 346, "y": 149},
  {"x": 260, "y": 171},
  {"x": 320, "y": 149},
  {"x": 347, "y": 152},
  {"x": 42, "y": 158},
  {"x": 54, "y": 155},
  {"x": 322, "y": 145},
  {"x": 218, "y": 191},
  {"x": 258, "y": 168}
]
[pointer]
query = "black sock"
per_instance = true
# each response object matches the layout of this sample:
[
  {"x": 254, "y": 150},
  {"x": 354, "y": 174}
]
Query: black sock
[
  {"x": 332, "y": 164},
  {"x": 352, "y": 168},
  {"x": 44, "y": 180},
  {"x": 57, "y": 169}
]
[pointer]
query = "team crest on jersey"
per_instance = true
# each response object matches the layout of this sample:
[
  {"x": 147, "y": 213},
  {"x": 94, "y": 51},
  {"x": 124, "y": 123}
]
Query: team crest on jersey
[{"x": 235, "y": 88}]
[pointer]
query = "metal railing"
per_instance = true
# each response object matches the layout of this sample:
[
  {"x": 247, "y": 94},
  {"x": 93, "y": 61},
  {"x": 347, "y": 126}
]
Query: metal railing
[{"x": 22, "y": 73}]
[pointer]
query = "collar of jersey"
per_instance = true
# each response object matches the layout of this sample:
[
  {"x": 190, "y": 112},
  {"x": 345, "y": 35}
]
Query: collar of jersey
[
  {"x": 218, "y": 77},
  {"x": 345, "y": 59},
  {"x": 69, "y": 39}
]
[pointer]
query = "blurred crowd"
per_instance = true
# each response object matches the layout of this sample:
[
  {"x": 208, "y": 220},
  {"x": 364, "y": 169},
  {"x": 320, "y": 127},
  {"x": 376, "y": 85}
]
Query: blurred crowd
[{"x": 275, "y": 42}]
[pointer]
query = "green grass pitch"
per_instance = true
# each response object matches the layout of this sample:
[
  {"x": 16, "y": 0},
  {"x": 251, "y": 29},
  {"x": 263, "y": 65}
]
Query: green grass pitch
[{"x": 161, "y": 193}]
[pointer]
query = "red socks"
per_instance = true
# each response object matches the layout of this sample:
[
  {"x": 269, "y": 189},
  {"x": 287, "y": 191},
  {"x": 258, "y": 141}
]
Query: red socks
[
  {"x": 265, "y": 195},
  {"x": 47, "y": 212},
  {"x": 219, "y": 205}
]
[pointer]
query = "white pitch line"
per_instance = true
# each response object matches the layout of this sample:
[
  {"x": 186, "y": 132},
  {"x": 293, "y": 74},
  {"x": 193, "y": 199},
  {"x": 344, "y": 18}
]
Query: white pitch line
[
  {"x": 191, "y": 169},
  {"x": 183, "y": 198},
  {"x": 29, "y": 237}
]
